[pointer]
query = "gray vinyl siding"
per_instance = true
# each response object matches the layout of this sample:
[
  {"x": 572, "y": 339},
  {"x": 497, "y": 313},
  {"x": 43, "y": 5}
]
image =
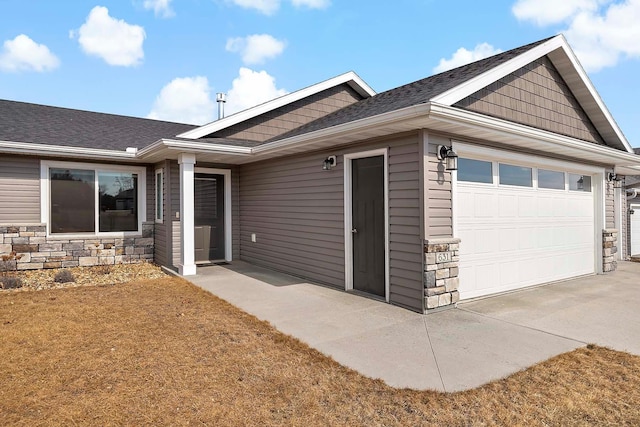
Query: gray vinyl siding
[
  {"x": 537, "y": 96},
  {"x": 19, "y": 190},
  {"x": 296, "y": 211},
  {"x": 151, "y": 195},
  {"x": 174, "y": 185},
  {"x": 609, "y": 207},
  {"x": 439, "y": 222}
]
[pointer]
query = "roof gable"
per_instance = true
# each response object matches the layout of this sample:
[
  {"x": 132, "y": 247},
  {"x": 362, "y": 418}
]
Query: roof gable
[
  {"x": 534, "y": 95},
  {"x": 418, "y": 92},
  {"x": 290, "y": 116},
  {"x": 565, "y": 61},
  {"x": 350, "y": 78}
]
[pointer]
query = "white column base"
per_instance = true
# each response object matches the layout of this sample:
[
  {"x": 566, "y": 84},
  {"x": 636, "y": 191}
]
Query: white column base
[{"x": 187, "y": 270}]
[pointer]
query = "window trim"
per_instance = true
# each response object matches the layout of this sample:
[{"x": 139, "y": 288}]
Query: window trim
[
  {"x": 97, "y": 168},
  {"x": 159, "y": 196}
]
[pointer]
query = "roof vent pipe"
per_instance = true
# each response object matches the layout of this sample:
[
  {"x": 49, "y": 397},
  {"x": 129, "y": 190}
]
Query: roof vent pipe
[{"x": 221, "y": 98}]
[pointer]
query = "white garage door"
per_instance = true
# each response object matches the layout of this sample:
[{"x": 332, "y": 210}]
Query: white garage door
[
  {"x": 521, "y": 226},
  {"x": 635, "y": 230}
]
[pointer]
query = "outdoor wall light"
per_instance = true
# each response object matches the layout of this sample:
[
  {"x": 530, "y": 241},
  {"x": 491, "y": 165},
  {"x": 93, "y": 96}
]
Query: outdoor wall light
[
  {"x": 617, "y": 180},
  {"x": 581, "y": 184},
  {"x": 329, "y": 163},
  {"x": 612, "y": 176},
  {"x": 450, "y": 157}
]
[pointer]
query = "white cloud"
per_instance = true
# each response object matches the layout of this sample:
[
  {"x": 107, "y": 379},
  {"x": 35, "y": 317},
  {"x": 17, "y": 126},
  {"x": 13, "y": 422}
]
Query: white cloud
[
  {"x": 545, "y": 12},
  {"x": 268, "y": 7},
  {"x": 159, "y": 7},
  {"x": 251, "y": 88},
  {"x": 463, "y": 56},
  {"x": 257, "y": 48},
  {"x": 185, "y": 100},
  {"x": 23, "y": 54},
  {"x": 111, "y": 39},
  {"x": 312, "y": 4},
  {"x": 601, "y": 32}
]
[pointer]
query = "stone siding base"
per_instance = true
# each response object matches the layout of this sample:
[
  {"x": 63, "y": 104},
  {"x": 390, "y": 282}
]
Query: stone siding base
[
  {"x": 34, "y": 250},
  {"x": 609, "y": 249},
  {"x": 441, "y": 258}
]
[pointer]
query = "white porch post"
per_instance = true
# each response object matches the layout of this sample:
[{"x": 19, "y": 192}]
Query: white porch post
[{"x": 187, "y": 266}]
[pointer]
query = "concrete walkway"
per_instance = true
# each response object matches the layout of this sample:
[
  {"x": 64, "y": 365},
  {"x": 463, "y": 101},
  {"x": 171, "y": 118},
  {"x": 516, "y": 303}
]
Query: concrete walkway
[{"x": 450, "y": 350}]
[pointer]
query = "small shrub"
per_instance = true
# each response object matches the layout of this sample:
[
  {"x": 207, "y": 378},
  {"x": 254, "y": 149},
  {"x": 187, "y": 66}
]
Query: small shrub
[
  {"x": 10, "y": 282},
  {"x": 64, "y": 276},
  {"x": 102, "y": 269}
]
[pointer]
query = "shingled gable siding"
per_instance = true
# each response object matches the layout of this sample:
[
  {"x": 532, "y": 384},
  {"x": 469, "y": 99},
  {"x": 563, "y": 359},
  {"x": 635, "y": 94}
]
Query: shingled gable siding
[
  {"x": 537, "y": 96},
  {"x": 172, "y": 212},
  {"x": 296, "y": 211},
  {"x": 293, "y": 115},
  {"x": 19, "y": 190}
]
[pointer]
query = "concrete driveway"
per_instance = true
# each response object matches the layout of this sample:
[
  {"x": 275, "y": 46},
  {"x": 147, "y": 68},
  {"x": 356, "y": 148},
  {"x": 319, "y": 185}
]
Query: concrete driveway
[{"x": 451, "y": 350}]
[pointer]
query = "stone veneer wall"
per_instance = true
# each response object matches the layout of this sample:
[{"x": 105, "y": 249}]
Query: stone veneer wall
[
  {"x": 36, "y": 251},
  {"x": 441, "y": 258},
  {"x": 609, "y": 249}
]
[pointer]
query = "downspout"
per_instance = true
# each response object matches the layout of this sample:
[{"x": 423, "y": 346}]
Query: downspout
[{"x": 632, "y": 193}]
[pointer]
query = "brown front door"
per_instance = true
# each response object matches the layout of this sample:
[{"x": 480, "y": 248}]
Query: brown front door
[
  {"x": 368, "y": 225},
  {"x": 209, "y": 217}
]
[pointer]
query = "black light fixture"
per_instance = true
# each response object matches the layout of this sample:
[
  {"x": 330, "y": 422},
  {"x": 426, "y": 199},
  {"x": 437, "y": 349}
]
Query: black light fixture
[
  {"x": 329, "y": 163},
  {"x": 615, "y": 179},
  {"x": 450, "y": 157},
  {"x": 581, "y": 183}
]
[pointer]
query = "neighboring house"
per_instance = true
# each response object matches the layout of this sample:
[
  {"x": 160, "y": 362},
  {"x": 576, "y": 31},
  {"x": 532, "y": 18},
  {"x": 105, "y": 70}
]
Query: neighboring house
[
  {"x": 339, "y": 185},
  {"x": 632, "y": 226}
]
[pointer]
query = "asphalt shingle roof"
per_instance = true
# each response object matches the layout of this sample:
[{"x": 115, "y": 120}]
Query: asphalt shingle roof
[
  {"x": 41, "y": 124},
  {"x": 408, "y": 95},
  {"x": 34, "y": 123}
]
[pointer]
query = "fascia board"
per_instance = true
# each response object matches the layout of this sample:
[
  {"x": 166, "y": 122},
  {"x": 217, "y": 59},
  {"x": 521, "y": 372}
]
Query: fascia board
[
  {"x": 350, "y": 78},
  {"x": 594, "y": 95},
  {"x": 473, "y": 85},
  {"x": 195, "y": 147},
  {"x": 14, "y": 147},
  {"x": 455, "y": 115}
]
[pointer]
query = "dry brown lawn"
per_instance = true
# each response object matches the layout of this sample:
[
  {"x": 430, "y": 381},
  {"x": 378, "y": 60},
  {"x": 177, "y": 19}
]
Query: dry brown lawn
[{"x": 163, "y": 352}]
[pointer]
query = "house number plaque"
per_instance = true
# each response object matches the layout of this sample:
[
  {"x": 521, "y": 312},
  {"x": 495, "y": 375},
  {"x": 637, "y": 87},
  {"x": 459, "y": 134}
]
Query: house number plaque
[{"x": 443, "y": 257}]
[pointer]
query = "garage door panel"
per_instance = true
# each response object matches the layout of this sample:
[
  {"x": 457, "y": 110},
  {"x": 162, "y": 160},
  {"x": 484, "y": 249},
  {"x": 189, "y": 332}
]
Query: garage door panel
[{"x": 518, "y": 237}]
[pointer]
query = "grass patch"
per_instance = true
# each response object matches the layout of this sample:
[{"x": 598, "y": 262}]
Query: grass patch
[{"x": 164, "y": 352}]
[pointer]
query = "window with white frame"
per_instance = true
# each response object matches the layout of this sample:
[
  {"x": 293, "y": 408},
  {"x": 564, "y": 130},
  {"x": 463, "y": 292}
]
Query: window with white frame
[
  {"x": 81, "y": 198},
  {"x": 159, "y": 195}
]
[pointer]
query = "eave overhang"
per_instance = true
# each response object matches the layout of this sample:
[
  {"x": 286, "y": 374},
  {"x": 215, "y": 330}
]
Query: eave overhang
[{"x": 454, "y": 122}]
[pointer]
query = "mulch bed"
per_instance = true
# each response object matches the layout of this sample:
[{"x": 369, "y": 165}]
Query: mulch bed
[{"x": 35, "y": 280}]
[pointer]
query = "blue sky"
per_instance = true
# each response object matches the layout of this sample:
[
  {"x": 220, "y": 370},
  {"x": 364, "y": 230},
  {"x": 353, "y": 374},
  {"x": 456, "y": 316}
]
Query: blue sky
[{"x": 166, "y": 59}]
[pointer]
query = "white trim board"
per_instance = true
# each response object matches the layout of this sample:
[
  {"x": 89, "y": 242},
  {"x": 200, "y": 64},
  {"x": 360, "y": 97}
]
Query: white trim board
[
  {"x": 228, "y": 229},
  {"x": 348, "y": 216}
]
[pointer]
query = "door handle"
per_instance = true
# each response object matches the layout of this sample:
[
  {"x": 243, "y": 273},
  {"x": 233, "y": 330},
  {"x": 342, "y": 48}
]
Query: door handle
[{"x": 354, "y": 231}]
